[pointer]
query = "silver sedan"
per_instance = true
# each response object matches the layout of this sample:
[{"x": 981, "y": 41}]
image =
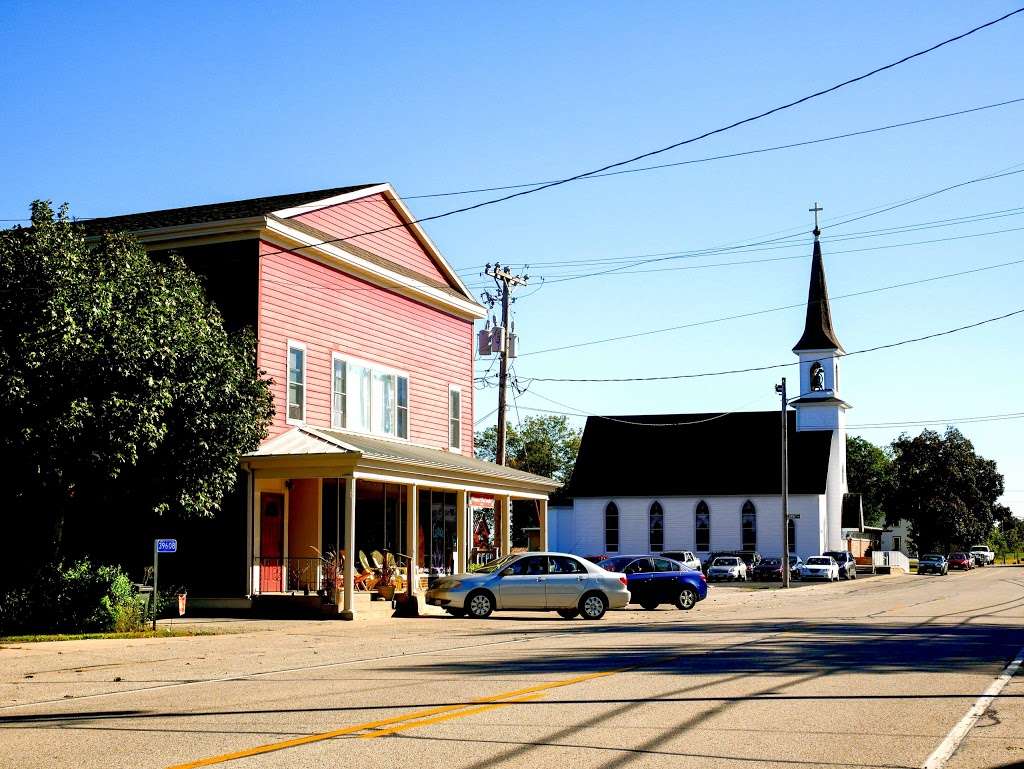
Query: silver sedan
[{"x": 533, "y": 582}]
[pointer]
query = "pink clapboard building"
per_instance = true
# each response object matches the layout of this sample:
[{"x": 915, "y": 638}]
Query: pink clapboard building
[{"x": 366, "y": 334}]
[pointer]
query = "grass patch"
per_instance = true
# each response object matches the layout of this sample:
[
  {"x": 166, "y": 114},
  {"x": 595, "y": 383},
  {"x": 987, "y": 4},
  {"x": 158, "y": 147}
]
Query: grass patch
[{"x": 160, "y": 633}]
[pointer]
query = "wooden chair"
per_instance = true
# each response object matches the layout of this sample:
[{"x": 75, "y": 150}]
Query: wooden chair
[{"x": 365, "y": 579}]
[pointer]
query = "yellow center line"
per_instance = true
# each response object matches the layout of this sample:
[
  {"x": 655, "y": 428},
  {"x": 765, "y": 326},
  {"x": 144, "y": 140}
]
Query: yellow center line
[
  {"x": 447, "y": 717},
  {"x": 494, "y": 701}
]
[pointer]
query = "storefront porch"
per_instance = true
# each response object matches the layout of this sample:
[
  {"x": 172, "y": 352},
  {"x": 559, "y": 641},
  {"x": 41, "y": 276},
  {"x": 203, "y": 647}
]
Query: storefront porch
[{"x": 317, "y": 493}]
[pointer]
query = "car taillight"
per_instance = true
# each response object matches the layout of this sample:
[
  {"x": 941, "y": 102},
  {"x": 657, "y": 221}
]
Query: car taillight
[
  {"x": 624, "y": 581},
  {"x": 701, "y": 575}
]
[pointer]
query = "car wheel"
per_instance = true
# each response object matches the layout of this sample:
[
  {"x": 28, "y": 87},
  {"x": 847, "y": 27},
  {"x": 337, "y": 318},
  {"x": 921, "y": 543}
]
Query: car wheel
[
  {"x": 649, "y": 605},
  {"x": 568, "y": 613},
  {"x": 593, "y": 606},
  {"x": 479, "y": 605},
  {"x": 687, "y": 598},
  {"x": 456, "y": 612}
]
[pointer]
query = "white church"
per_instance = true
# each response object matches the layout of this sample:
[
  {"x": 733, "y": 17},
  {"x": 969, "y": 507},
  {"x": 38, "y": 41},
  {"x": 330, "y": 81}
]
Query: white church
[{"x": 712, "y": 482}]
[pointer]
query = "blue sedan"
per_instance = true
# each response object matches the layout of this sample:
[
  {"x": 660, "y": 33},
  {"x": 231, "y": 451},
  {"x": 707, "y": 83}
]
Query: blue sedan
[{"x": 653, "y": 581}]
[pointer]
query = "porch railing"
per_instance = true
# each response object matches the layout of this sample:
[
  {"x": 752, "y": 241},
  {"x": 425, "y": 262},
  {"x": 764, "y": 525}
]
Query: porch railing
[{"x": 287, "y": 575}]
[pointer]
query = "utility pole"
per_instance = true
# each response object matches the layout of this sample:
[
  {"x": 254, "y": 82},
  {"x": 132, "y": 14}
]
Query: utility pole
[
  {"x": 781, "y": 390},
  {"x": 506, "y": 281}
]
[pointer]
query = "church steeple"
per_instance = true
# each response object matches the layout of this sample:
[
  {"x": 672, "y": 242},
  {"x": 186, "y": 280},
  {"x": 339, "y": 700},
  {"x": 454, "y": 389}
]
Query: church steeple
[{"x": 818, "y": 332}]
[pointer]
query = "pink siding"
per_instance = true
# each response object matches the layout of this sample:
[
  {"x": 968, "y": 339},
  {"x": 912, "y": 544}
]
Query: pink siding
[
  {"x": 368, "y": 214},
  {"x": 328, "y": 311}
]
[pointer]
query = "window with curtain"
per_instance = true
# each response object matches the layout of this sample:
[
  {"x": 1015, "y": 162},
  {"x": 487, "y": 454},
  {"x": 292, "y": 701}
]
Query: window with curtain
[
  {"x": 748, "y": 522},
  {"x": 656, "y": 527},
  {"x": 454, "y": 417},
  {"x": 611, "y": 528},
  {"x": 702, "y": 527},
  {"x": 368, "y": 398}
]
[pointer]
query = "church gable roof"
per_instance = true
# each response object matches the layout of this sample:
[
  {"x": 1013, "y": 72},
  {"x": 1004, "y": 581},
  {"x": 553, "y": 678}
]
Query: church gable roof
[
  {"x": 818, "y": 332},
  {"x": 717, "y": 454}
]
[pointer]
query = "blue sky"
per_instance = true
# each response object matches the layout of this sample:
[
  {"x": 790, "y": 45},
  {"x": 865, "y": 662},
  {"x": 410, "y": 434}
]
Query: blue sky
[{"x": 117, "y": 109}]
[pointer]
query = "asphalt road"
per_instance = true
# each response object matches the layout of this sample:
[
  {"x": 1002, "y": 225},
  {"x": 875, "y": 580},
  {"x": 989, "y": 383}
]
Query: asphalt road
[{"x": 869, "y": 673}]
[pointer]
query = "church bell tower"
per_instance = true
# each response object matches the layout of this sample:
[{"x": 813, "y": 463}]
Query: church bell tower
[{"x": 820, "y": 405}]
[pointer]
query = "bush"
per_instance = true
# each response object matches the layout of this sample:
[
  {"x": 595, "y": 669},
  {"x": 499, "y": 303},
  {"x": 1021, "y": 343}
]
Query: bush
[{"x": 79, "y": 598}]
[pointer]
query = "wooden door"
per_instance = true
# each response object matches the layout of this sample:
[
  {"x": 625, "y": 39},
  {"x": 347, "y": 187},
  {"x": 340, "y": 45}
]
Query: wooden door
[{"x": 271, "y": 543}]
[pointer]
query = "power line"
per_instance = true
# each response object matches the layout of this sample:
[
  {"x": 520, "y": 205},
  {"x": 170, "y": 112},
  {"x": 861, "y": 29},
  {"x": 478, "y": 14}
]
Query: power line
[
  {"x": 768, "y": 310},
  {"x": 957, "y": 420},
  {"x": 738, "y": 248},
  {"x": 778, "y": 365},
  {"x": 659, "y": 166},
  {"x": 675, "y": 145},
  {"x": 726, "y": 156}
]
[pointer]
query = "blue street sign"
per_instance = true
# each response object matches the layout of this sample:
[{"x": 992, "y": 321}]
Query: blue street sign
[{"x": 167, "y": 545}]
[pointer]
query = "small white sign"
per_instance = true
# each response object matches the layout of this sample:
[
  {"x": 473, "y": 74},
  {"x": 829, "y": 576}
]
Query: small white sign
[{"x": 794, "y": 516}]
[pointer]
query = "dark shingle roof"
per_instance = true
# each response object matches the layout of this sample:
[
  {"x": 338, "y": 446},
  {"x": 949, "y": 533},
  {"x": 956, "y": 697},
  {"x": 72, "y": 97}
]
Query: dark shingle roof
[
  {"x": 739, "y": 453},
  {"x": 213, "y": 212},
  {"x": 818, "y": 331}
]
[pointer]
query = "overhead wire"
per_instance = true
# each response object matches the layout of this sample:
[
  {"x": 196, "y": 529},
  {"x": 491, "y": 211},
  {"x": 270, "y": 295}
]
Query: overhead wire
[{"x": 697, "y": 375}]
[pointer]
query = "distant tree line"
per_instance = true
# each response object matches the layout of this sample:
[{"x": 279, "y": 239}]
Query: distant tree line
[{"x": 937, "y": 483}]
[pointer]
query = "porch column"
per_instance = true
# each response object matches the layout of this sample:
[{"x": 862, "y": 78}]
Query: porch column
[
  {"x": 251, "y": 572},
  {"x": 505, "y": 525},
  {"x": 350, "y": 546},
  {"x": 542, "y": 521},
  {"x": 461, "y": 538},
  {"x": 412, "y": 532}
]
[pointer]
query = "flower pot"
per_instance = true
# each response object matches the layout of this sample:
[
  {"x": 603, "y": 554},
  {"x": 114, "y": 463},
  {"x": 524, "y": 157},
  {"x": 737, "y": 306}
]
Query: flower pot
[{"x": 387, "y": 592}]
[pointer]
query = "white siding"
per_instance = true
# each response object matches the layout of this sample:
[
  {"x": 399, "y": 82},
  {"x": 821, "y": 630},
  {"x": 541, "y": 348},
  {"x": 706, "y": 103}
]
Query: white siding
[{"x": 582, "y": 531}]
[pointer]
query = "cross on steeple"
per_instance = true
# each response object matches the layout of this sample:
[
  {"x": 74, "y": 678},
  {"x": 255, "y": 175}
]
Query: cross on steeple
[{"x": 816, "y": 210}]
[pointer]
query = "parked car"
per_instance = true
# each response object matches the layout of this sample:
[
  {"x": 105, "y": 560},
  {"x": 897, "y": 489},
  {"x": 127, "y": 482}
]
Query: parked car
[
  {"x": 960, "y": 561},
  {"x": 684, "y": 557},
  {"x": 749, "y": 557},
  {"x": 846, "y": 562},
  {"x": 653, "y": 580},
  {"x": 820, "y": 567},
  {"x": 728, "y": 567},
  {"x": 932, "y": 563},
  {"x": 988, "y": 556},
  {"x": 771, "y": 568},
  {"x": 532, "y": 582}
]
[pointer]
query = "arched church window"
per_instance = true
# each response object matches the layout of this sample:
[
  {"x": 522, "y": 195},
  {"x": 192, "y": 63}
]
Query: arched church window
[
  {"x": 817, "y": 377},
  {"x": 611, "y": 528},
  {"x": 748, "y": 522},
  {"x": 702, "y": 527},
  {"x": 656, "y": 527},
  {"x": 791, "y": 528}
]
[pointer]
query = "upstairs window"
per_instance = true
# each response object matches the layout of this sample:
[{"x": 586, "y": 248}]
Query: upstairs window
[
  {"x": 454, "y": 417},
  {"x": 369, "y": 399},
  {"x": 748, "y": 522},
  {"x": 702, "y": 527},
  {"x": 656, "y": 528},
  {"x": 296, "y": 413},
  {"x": 338, "y": 383},
  {"x": 611, "y": 528}
]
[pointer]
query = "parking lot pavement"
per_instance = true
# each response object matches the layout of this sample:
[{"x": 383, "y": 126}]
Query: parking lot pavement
[{"x": 866, "y": 673}]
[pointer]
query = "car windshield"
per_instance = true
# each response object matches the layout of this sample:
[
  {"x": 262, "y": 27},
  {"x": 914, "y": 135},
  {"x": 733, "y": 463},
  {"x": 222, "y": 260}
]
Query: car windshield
[
  {"x": 771, "y": 562},
  {"x": 979, "y": 549},
  {"x": 726, "y": 561},
  {"x": 614, "y": 564},
  {"x": 492, "y": 566},
  {"x": 818, "y": 561},
  {"x": 958, "y": 556},
  {"x": 931, "y": 557}
]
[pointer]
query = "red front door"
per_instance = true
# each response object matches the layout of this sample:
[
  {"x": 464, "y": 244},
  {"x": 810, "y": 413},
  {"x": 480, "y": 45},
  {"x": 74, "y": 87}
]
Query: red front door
[{"x": 271, "y": 543}]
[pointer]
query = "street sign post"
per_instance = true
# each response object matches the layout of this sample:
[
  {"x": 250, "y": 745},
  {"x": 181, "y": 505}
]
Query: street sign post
[{"x": 160, "y": 546}]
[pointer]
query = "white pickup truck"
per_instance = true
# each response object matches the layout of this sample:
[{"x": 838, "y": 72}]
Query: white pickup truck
[{"x": 985, "y": 552}]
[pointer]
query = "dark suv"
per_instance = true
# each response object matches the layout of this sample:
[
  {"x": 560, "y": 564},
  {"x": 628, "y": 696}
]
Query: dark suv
[
  {"x": 847, "y": 563},
  {"x": 750, "y": 557}
]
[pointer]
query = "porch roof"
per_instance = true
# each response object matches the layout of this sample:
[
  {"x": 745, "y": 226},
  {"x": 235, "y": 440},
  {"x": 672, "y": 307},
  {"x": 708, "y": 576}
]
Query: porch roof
[{"x": 327, "y": 453}]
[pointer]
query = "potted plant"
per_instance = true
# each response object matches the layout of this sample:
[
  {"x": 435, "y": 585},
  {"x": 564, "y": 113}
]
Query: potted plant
[
  {"x": 385, "y": 584},
  {"x": 332, "y": 565}
]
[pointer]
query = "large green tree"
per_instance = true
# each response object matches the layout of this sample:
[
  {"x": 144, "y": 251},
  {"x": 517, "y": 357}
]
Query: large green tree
[
  {"x": 868, "y": 473},
  {"x": 944, "y": 489},
  {"x": 545, "y": 445},
  {"x": 124, "y": 398}
]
